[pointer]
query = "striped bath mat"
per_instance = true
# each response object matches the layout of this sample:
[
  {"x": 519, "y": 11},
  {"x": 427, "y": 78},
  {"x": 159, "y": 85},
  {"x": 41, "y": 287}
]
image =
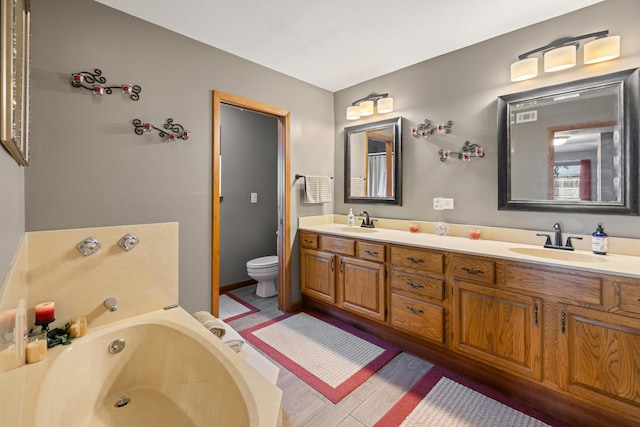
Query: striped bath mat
[
  {"x": 330, "y": 356},
  {"x": 231, "y": 307},
  {"x": 441, "y": 399}
]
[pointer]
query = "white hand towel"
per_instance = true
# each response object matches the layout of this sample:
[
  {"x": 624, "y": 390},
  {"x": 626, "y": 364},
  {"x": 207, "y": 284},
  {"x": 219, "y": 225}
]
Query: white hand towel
[
  {"x": 216, "y": 326},
  {"x": 232, "y": 339},
  {"x": 317, "y": 189}
]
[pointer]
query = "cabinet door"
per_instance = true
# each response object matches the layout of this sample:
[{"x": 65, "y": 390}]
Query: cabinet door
[
  {"x": 499, "y": 327},
  {"x": 362, "y": 287},
  {"x": 318, "y": 275},
  {"x": 602, "y": 352}
]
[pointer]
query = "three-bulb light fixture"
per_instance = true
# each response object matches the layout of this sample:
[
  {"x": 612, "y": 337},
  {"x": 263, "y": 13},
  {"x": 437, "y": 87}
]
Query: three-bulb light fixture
[
  {"x": 561, "y": 54},
  {"x": 365, "y": 106}
]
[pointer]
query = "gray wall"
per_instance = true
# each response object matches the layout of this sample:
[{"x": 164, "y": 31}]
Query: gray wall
[
  {"x": 90, "y": 169},
  {"x": 11, "y": 210},
  {"x": 463, "y": 86},
  {"x": 249, "y": 165}
]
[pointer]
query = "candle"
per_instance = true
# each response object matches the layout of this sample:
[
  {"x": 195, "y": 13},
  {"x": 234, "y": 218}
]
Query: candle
[
  {"x": 148, "y": 127},
  {"x": 9, "y": 359},
  {"x": 45, "y": 312},
  {"x": 78, "y": 78},
  {"x": 413, "y": 227},
  {"x": 98, "y": 90},
  {"x": 37, "y": 348},
  {"x": 127, "y": 89},
  {"x": 78, "y": 326},
  {"x": 474, "y": 233}
]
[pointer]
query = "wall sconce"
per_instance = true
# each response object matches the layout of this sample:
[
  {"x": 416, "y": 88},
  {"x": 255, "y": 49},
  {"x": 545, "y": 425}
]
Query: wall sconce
[
  {"x": 467, "y": 152},
  {"x": 425, "y": 128},
  {"x": 98, "y": 86},
  {"x": 171, "y": 130},
  {"x": 561, "y": 54},
  {"x": 365, "y": 106}
]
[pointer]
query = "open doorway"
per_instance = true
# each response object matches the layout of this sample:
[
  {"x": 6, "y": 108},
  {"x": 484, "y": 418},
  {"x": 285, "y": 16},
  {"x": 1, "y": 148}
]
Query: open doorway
[{"x": 283, "y": 235}]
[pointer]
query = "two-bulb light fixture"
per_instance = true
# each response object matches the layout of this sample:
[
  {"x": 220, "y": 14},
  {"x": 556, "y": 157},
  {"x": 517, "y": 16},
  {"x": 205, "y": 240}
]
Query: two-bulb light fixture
[
  {"x": 365, "y": 106},
  {"x": 561, "y": 54}
]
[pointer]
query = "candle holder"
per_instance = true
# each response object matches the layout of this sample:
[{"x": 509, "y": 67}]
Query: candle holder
[
  {"x": 97, "y": 83},
  {"x": 173, "y": 131},
  {"x": 44, "y": 324}
]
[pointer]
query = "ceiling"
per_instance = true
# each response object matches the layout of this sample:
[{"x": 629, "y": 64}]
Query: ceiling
[{"x": 335, "y": 44}]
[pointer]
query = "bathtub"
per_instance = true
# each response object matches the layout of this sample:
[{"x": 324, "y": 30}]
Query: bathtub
[{"x": 171, "y": 372}]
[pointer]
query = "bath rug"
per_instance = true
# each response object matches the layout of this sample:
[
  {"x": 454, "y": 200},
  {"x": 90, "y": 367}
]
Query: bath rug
[
  {"x": 330, "y": 356},
  {"x": 231, "y": 307},
  {"x": 442, "y": 399}
]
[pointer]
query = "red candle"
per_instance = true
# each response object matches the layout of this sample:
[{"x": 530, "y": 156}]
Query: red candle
[
  {"x": 148, "y": 127},
  {"x": 98, "y": 90},
  {"x": 45, "y": 312},
  {"x": 78, "y": 78},
  {"x": 186, "y": 134},
  {"x": 474, "y": 233},
  {"x": 173, "y": 137},
  {"x": 127, "y": 89}
]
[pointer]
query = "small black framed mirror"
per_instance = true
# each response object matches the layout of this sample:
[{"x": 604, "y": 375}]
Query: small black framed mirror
[
  {"x": 373, "y": 162},
  {"x": 571, "y": 147}
]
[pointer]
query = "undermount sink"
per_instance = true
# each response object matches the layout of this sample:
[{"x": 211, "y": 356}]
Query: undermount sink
[
  {"x": 358, "y": 230},
  {"x": 559, "y": 255}
]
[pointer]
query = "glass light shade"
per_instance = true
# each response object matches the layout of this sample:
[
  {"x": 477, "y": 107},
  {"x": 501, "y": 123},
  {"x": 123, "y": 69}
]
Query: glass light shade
[
  {"x": 366, "y": 108},
  {"x": 560, "y": 59},
  {"x": 353, "y": 112},
  {"x": 600, "y": 50},
  {"x": 524, "y": 69},
  {"x": 385, "y": 105}
]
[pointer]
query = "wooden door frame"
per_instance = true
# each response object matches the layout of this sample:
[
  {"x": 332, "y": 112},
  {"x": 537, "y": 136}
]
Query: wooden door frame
[{"x": 284, "y": 196}]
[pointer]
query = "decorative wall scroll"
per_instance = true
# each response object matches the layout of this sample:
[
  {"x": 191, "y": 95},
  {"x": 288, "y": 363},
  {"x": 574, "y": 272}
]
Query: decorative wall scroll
[
  {"x": 97, "y": 83},
  {"x": 173, "y": 131},
  {"x": 425, "y": 128},
  {"x": 467, "y": 152}
]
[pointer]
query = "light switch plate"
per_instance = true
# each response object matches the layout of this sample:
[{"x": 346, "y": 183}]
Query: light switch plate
[
  {"x": 438, "y": 203},
  {"x": 254, "y": 197},
  {"x": 447, "y": 203}
]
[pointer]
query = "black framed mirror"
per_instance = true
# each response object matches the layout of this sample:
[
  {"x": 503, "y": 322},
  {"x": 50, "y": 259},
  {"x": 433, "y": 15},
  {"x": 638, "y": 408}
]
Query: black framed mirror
[
  {"x": 571, "y": 147},
  {"x": 373, "y": 162}
]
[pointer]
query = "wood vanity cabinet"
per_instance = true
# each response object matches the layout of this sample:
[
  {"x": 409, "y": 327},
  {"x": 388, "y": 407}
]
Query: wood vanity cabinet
[
  {"x": 345, "y": 272},
  {"x": 418, "y": 292}
]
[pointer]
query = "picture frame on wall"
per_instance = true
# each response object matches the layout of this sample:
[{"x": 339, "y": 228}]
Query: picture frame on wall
[{"x": 15, "y": 56}]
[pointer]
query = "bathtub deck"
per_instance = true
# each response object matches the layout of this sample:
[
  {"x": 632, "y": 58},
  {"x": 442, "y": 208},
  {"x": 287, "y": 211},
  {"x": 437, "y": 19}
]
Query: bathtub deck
[{"x": 304, "y": 406}]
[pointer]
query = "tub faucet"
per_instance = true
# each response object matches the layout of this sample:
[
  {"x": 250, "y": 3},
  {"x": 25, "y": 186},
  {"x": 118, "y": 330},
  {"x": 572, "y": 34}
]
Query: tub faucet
[{"x": 111, "y": 303}]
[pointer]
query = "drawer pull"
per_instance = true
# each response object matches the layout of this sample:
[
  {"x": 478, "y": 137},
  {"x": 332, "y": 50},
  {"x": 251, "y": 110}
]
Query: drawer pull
[
  {"x": 368, "y": 252},
  {"x": 415, "y": 261},
  {"x": 308, "y": 241},
  {"x": 414, "y": 311},
  {"x": 535, "y": 313},
  {"x": 414, "y": 286},
  {"x": 564, "y": 321},
  {"x": 468, "y": 270}
]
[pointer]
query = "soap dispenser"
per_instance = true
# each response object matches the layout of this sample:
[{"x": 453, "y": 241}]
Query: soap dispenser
[
  {"x": 351, "y": 221},
  {"x": 599, "y": 243}
]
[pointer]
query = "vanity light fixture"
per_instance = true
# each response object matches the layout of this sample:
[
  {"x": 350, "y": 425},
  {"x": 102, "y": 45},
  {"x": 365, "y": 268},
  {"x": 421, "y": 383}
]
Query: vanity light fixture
[
  {"x": 172, "y": 131},
  {"x": 365, "y": 106},
  {"x": 561, "y": 54}
]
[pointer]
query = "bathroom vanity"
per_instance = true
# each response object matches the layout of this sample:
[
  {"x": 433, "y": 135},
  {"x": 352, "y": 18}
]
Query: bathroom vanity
[{"x": 557, "y": 330}]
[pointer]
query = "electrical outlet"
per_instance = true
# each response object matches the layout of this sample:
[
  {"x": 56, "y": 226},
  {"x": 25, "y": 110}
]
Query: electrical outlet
[
  {"x": 254, "y": 197},
  {"x": 438, "y": 203},
  {"x": 447, "y": 203}
]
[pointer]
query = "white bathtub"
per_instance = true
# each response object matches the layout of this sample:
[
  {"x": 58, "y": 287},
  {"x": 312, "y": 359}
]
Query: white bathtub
[{"x": 172, "y": 371}]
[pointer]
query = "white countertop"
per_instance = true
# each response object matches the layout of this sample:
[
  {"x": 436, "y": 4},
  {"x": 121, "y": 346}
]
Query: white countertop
[{"x": 622, "y": 265}]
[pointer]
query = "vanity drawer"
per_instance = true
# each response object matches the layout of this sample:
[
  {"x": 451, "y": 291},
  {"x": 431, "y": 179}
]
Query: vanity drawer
[
  {"x": 338, "y": 245},
  {"x": 371, "y": 251},
  {"x": 630, "y": 297},
  {"x": 417, "y": 260},
  {"x": 414, "y": 286},
  {"x": 474, "y": 269},
  {"x": 309, "y": 241},
  {"x": 418, "y": 317}
]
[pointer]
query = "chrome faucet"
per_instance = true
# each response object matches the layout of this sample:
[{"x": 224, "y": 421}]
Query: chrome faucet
[
  {"x": 557, "y": 239},
  {"x": 111, "y": 303},
  {"x": 367, "y": 222}
]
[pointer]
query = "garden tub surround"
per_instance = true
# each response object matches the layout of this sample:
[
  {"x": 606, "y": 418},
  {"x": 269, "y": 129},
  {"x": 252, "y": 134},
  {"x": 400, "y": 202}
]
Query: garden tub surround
[
  {"x": 506, "y": 243},
  {"x": 172, "y": 371}
]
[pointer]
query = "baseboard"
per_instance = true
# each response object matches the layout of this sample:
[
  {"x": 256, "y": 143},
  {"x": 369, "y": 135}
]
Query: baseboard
[{"x": 231, "y": 286}]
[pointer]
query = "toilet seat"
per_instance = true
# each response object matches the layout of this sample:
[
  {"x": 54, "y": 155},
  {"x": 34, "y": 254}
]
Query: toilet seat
[{"x": 263, "y": 262}]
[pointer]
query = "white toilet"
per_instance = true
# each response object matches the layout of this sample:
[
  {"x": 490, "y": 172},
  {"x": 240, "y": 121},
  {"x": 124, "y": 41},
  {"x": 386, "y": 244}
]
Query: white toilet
[{"x": 265, "y": 271}]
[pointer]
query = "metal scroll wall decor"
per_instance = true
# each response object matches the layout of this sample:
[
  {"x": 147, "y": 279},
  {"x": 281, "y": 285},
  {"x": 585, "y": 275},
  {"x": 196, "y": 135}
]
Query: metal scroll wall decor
[
  {"x": 466, "y": 153},
  {"x": 173, "y": 131},
  {"x": 426, "y": 129},
  {"x": 97, "y": 83}
]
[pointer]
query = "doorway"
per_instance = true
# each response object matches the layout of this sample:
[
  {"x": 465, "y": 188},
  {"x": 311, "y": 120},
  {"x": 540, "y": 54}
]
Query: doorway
[{"x": 283, "y": 238}]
